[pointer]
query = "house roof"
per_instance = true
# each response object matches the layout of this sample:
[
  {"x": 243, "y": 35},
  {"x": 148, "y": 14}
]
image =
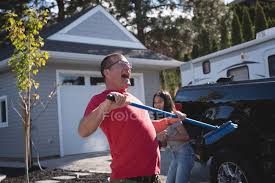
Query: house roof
[{"x": 96, "y": 33}]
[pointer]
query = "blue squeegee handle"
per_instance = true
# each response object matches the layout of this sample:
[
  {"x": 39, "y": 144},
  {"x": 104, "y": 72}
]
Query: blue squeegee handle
[{"x": 168, "y": 114}]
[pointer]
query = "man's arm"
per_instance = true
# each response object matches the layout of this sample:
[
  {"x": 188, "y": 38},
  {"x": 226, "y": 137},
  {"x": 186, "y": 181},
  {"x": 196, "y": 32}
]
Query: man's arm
[{"x": 91, "y": 122}]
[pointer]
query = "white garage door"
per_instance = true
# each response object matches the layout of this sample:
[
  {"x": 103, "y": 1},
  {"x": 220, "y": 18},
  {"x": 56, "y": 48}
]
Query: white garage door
[{"x": 74, "y": 94}]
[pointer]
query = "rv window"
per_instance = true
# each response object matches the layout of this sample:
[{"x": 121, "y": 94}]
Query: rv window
[
  {"x": 238, "y": 73},
  {"x": 206, "y": 67},
  {"x": 271, "y": 64}
]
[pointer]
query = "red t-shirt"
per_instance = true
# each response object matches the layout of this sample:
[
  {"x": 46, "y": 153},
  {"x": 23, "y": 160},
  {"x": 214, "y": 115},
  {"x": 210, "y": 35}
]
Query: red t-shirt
[{"x": 132, "y": 139}]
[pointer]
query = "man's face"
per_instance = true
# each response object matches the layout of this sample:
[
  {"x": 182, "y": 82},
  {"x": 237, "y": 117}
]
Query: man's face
[{"x": 118, "y": 73}]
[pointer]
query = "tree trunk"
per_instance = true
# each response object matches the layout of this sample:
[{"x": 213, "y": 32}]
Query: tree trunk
[
  {"x": 29, "y": 126},
  {"x": 61, "y": 10},
  {"x": 139, "y": 21},
  {"x": 27, "y": 129},
  {"x": 27, "y": 144}
]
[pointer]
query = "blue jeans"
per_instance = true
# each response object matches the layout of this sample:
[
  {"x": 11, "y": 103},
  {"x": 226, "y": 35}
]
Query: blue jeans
[{"x": 181, "y": 165}]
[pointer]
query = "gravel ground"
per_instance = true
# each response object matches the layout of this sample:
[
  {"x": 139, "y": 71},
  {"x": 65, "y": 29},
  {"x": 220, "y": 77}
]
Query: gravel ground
[{"x": 16, "y": 175}]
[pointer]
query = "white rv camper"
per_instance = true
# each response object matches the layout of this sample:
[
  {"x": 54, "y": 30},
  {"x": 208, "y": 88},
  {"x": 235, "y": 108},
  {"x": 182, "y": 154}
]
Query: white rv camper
[{"x": 250, "y": 60}]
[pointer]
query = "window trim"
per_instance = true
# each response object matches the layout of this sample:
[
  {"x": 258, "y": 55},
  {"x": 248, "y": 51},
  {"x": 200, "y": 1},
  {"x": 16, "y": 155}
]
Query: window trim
[
  {"x": 203, "y": 67},
  {"x": 4, "y": 124}
]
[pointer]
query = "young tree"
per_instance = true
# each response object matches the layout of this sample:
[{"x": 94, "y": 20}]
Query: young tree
[
  {"x": 237, "y": 36},
  {"x": 25, "y": 62},
  {"x": 248, "y": 33},
  {"x": 260, "y": 19}
]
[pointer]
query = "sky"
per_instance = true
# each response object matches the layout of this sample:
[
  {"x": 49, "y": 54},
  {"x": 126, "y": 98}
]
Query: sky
[
  {"x": 56, "y": 10},
  {"x": 227, "y": 1}
]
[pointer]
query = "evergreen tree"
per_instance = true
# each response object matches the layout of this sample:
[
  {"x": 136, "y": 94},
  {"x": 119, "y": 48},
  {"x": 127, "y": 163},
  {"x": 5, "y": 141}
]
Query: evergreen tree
[
  {"x": 195, "y": 51},
  {"x": 270, "y": 14},
  {"x": 248, "y": 33},
  {"x": 260, "y": 19},
  {"x": 251, "y": 11},
  {"x": 238, "y": 9},
  {"x": 237, "y": 36},
  {"x": 271, "y": 22},
  {"x": 214, "y": 46},
  {"x": 186, "y": 57},
  {"x": 172, "y": 81},
  {"x": 204, "y": 42},
  {"x": 225, "y": 39}
]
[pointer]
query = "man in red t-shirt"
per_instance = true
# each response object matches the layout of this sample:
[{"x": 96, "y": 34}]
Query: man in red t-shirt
[{"x": 129, "y": 130}]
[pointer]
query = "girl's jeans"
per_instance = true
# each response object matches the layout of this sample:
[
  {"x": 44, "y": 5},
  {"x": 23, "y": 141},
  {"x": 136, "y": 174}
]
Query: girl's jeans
[{"x": 181, "y": 165}]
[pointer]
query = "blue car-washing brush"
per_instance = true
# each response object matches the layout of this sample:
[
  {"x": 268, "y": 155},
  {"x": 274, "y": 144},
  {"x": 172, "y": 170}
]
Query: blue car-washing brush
[{"x": 211, "y": 137}]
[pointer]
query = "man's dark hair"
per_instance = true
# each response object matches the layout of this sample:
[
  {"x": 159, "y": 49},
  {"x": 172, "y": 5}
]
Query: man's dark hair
[{"x": 105, "y": 62}]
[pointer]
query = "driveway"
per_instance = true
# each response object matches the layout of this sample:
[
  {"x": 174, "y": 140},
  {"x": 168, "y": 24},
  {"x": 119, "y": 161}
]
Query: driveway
[{"x": 100, "y": 162}]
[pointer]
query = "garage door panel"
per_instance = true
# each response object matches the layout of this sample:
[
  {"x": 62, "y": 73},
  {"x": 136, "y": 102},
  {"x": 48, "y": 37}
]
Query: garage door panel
[
  {"x": 74, "y": 101},
  {"x": 75, "y": 94}
]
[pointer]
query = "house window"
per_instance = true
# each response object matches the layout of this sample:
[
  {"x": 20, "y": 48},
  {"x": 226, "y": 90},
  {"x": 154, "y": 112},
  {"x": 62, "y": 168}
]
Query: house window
[
  {"x": 238, "y": 73},
  {"x": 3, "y": 112},
  {"x": 97, "y": 81},
  {"x": 68, "y": 79},
  {"x": 100, "y": 81},
  {"x": 206, "y": 67},
  {"x": 271, "y": 65}
]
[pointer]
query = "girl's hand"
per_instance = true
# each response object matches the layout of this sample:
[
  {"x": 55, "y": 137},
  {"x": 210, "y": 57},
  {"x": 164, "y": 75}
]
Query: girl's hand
[{"x": 180, "y": 117}]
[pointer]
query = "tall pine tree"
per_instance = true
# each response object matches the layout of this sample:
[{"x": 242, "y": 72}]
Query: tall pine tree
[
  {"x": 260, "y": 19},
  {"x": 195, "y": 51},
  {"x": 237, "y": 36},
  {"x": 204, "y": 42},
  {"x": 225, "y": 39},
  {"x": 248, "y": 33},
  {"x": 214, "y": 46}
]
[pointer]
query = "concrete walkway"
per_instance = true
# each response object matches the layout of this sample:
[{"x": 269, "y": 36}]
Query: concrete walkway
[
  {"x": 100, "y": 162},
  {"x": 93, "y": 162}
]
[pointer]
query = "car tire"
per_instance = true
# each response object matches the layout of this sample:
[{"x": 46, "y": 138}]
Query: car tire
[{"x": 231, "y": 168}]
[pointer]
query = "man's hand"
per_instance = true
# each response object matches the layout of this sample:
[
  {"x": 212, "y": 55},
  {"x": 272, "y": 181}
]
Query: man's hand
[
  {"x": 120, "y": 101},
  {"x": 180, "y": 117}
]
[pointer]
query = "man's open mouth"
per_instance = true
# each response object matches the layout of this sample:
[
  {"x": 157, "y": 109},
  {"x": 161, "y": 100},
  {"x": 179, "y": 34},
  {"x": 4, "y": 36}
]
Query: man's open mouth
[{"x": 125, "y": 76}]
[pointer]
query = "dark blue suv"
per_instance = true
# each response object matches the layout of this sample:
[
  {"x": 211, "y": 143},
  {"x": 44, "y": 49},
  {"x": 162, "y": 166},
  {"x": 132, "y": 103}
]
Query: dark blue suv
[{"x": 248, "y": 154}]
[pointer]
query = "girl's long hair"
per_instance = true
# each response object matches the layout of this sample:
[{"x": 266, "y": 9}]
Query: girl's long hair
[{"x": 169, "y": 105}]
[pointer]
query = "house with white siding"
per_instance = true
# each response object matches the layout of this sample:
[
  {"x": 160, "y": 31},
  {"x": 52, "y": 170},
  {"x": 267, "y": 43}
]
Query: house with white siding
[{"x": 76, "y": 48}]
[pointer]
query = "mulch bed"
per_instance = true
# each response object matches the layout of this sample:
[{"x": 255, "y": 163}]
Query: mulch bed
[{"x": 17, "y": 175}]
